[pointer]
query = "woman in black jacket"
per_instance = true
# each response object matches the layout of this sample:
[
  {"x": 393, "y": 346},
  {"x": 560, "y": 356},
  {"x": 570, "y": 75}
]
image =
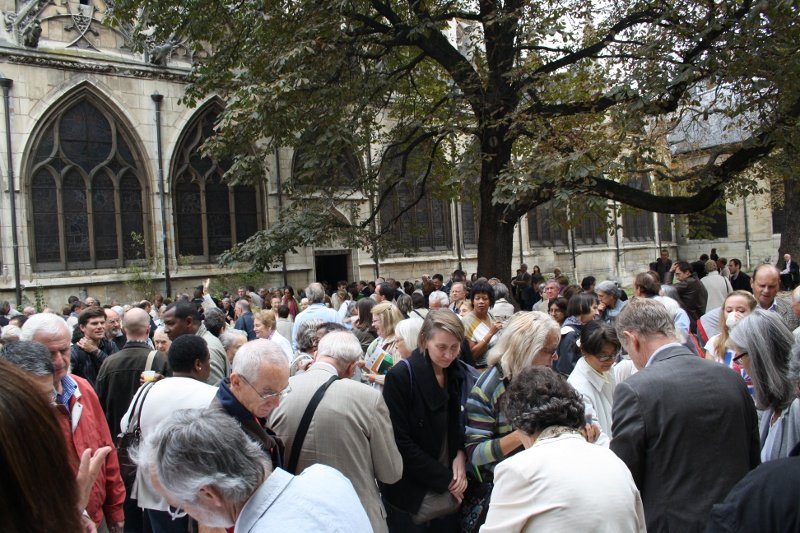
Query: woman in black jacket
[{"x": 423, "y": 394}]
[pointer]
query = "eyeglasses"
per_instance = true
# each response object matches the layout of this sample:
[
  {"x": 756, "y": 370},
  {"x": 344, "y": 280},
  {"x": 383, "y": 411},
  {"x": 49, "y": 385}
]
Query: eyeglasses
[
  {"x": 605, "y": 358},
  {"x": 176, "y": 512},
  {"x": 739, "y": 356},
  {"x": 282, "y": 394}
]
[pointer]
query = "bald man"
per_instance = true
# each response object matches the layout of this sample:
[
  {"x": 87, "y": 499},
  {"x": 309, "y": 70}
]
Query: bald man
[
  {"x": 766, "y": 281},
  {"x": 118, "y": 379}
]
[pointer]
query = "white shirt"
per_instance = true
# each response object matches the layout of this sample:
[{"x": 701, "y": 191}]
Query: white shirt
[
  {"x": 598, "y": 396},
  {"x": 564, "y": 484},
  {"x": 164, "y": 397},
  {"x": 285, "y": 345}
]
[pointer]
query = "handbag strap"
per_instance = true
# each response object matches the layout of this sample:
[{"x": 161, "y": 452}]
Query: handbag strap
[
  {"x": 137, "y": 407},
  {"x": 149, "y": 365},
  {"x": 305, "y": 422}
]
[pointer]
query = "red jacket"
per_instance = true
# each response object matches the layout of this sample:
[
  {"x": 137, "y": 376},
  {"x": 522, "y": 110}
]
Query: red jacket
[{"x": 108, "y": 492}]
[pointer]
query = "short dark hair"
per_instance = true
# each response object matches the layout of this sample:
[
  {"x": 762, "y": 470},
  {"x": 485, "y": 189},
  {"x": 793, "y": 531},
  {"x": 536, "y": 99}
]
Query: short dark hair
[
  {"x": 647, "y": 284},
  {"x": 703, "y": 257},
  {"x": 580, "y": 304},
  {"x": 587, "y": 282},
  {"x": 438, "y": 276},
  {"x": 539, "y": 398},
  {"x": 214, "y": 319},
  {"x": 283, "y": 311},
  {"x": 417, "y": 300},
  {"x": 736, "y": 262},
  {"x": 684, "y": 266},
  {"x": 184, "y": 309},
  {"x": 185, "y": 350},
  {"x": 482, "y": 287},
  {"x": 597, "y": 333},
  {"x": 72, "y": 299},
  {"x": 90, "y": 313},
  {"x": 386, "y": 290},
  {"x": 561, "y": 302}
]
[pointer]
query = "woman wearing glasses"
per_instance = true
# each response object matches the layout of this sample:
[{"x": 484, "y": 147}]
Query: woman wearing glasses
[
  {"x": 762, "y": 345},
  {"x": 593, "y": 377},
  {"x": 530, "y": 338}
]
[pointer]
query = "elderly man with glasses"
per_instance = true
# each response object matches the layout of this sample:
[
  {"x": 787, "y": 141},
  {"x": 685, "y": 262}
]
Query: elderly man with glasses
[{"x": 259, "y": 380}]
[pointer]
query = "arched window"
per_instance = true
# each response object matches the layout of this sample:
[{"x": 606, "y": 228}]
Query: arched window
[
  {"x": 87, "y": 191},
  {"x": 210, "y": 215},
  {"x": 424, "y": 225}
]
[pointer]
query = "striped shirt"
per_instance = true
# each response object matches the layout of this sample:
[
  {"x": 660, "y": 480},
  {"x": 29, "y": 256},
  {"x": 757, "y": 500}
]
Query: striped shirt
[{"x": 486, "y": 423}]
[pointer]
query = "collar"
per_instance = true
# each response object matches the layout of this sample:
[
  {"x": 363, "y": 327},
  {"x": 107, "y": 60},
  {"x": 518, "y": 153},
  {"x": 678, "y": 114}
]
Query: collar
[
  {"x": 595, "y": 378},
  {"x": 660, "y": 351},
  {"x": 433, "y": 395},
  {"x": 774, "y": 306},
  {"x": 68, "y": 388},
  {"x": 230, "y": 403},
  {"x": 262, "y": 499},
  {"x": 134, "y": 344},
  {"x": 325, "y": 367}
]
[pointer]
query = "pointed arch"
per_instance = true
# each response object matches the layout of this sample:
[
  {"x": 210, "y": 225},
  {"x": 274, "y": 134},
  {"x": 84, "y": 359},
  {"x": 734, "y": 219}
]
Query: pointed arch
[
  {"x": 210, "y": 215},
  {"x": 83, "y": 170}
]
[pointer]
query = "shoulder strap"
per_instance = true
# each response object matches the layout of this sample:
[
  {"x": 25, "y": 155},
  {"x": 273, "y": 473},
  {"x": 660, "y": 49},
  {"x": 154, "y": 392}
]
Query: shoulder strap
[
  {"x": 149, "y": 364},
  {"x": 410, "y": 373},
  {"x": 138, "y": 403},
  {"x": 305, "y": 422}
]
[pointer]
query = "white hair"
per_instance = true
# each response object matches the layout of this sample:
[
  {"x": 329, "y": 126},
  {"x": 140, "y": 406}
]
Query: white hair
[
  {"x": 342, "y": 346},
  {"x": 408, "y": 330},
  {"x": 253, "y": 354},
  {"x": 190, "y": 450},
  {"x": 43, "y": 323},
  {"x": 439, "y": 296},
  {"x": 229, "y": 337}
]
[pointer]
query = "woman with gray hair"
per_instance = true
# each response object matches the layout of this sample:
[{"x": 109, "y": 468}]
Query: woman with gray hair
[
  {"x": 609, "y": 292},
  {"x": 762, "y": 344},
  {"x": 559, "y": 482},
  {"x": 530, "y": 338}
]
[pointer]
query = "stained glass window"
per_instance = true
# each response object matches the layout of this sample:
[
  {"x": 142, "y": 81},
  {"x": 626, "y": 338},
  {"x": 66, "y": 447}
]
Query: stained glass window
[
  {"x": 210, "y": 215},
  {"x": 85, "y": 191}
]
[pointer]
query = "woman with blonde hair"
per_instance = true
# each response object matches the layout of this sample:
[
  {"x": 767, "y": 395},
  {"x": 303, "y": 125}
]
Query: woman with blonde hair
[
  {"x": 530, "y": 338},
  {"x": 382, "y": 352},
  {"x": 736, "y": 306},
  {"x": 264, "y": 326}
]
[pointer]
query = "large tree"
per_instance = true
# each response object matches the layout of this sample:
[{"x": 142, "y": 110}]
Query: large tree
[{"x": 506, "y": 103}]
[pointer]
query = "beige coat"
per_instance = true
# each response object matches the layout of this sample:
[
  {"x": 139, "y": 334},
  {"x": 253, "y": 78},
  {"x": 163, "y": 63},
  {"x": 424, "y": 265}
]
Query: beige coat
[{"x": 351, "y": 431}]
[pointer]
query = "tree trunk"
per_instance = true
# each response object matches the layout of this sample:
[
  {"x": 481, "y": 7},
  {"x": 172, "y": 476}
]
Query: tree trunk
[
  {"x": 496, "y": 245},
  {"x": 790, "y": 236},
  {"x": 496, "y": 234}
]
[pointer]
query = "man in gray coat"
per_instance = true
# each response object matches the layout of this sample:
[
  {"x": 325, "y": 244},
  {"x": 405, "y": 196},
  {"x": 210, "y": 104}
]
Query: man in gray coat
[
  {"x": 351, "y": 429},
  {"x": 686, "y": 427}
]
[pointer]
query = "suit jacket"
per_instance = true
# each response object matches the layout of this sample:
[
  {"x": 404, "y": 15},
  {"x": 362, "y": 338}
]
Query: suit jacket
[
  {"x": 118, "y": 379},
  {"x": 687, "y": 429},
  {"x": 741, "y": 283},
  {"x": 351, "y": 431}
]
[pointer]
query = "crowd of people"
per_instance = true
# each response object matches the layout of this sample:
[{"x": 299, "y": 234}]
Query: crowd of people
[{"x": 427, "y": 405}]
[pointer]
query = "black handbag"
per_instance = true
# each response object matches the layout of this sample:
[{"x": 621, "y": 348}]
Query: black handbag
[{"x": 128, "y": 440}]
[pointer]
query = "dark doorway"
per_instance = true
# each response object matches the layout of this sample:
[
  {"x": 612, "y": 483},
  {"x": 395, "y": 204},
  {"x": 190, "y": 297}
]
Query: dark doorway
[{"x": 331, "y": 268}]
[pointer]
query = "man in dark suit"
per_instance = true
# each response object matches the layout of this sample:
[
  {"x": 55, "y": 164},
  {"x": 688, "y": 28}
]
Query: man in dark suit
[
  {"x": 789, "y": 273},
  {"x": 692, "y": 293},
  {"x": 685, "y": 427},
  {"x": 739, "y": 280}
]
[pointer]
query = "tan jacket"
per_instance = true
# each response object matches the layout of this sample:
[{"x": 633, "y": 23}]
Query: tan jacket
[{"x": 351, "y": 431}]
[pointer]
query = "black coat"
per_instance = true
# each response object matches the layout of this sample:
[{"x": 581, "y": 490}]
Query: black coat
[
  {"x": 741, "y": 283},
  {"x": 422, "y": 415}
]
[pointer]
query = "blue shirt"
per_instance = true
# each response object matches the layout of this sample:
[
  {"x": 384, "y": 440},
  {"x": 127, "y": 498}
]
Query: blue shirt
[
  {"x": 319, "y": 499},
  {"x": 316, "y": 311},
  {"x": 68, "y": 388}
]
